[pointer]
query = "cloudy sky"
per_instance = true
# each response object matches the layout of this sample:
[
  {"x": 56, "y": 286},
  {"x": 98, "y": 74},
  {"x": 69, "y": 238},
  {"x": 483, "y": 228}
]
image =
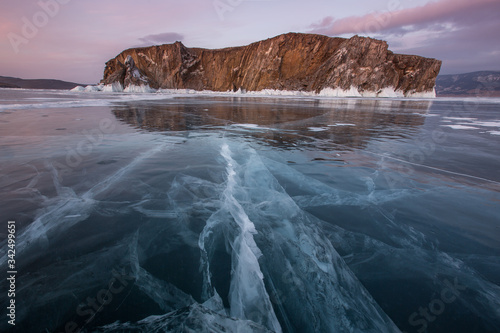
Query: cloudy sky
[{"x": 72, "y": 39}]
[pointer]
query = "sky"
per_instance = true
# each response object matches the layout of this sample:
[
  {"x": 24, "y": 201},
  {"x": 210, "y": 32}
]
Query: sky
[{"x": 72, "y": 39}]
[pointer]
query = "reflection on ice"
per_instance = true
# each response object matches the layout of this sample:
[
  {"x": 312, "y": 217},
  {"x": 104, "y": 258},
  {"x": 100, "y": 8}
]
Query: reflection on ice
[{"x": 284, "y": 123}]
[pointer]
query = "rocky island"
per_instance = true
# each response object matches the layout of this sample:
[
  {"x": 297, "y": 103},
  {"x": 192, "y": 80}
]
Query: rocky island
[{"x": 309, "y": 63}]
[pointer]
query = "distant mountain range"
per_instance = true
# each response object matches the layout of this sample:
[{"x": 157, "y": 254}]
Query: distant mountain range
[
  {"x": 478, "y": 84},
  {"x": 14, "y": 82}
]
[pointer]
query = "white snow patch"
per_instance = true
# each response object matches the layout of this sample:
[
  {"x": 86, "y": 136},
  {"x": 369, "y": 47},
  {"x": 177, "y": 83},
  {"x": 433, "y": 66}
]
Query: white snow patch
[
  {"x": 78, "y": 89},
  {"x": 115, "y": 87},
  {"x": 89, "y": 88},
  {"x": 461, "y": 127},
  {"x": 248, "y": 125},
  {"x": 460, "y": 118},
  {"x": 388, "y": 92},
  {"x": 495, "y": 123},
  {"x": 273, "y": 92},
  {"x": 253, "y": 126},
  {"x": 142, "y": 89},
  {"x": 424, "y": 94},
  {"x": 317, "y": 129},
  {"x": 341, "y": 124},
  {"x": 494, "y": 132},
  {"x": 136, "y": 73},
  {"x": 384, "y": 93},
  {"x": 337, "y": 92}
]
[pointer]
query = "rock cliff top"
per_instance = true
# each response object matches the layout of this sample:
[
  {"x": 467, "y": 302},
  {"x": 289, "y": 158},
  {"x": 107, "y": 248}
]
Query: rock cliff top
[{"x": 294, "y": 62}]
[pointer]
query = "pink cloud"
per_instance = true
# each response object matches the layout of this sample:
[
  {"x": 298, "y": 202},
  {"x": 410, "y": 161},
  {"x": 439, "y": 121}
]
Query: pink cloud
[
  {"x": 163, "y": 38},
  {"x": 440, "y": 11}
]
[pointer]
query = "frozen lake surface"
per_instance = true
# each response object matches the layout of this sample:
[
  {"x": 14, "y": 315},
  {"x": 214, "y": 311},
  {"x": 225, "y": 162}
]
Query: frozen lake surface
[{"x": 158, "y": 212}]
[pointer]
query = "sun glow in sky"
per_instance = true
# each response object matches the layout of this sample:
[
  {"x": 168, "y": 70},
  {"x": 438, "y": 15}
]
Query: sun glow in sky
[{"x": 71, "y": 39}]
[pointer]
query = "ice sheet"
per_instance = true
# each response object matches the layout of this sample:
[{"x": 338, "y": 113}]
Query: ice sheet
[{"x": 69, "y": 208}]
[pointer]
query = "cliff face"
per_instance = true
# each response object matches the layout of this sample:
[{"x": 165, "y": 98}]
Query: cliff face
[{"x": 298, "y": 62}]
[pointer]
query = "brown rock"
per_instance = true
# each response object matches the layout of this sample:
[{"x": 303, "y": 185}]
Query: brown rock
[{"x": 298, "y": 62}]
